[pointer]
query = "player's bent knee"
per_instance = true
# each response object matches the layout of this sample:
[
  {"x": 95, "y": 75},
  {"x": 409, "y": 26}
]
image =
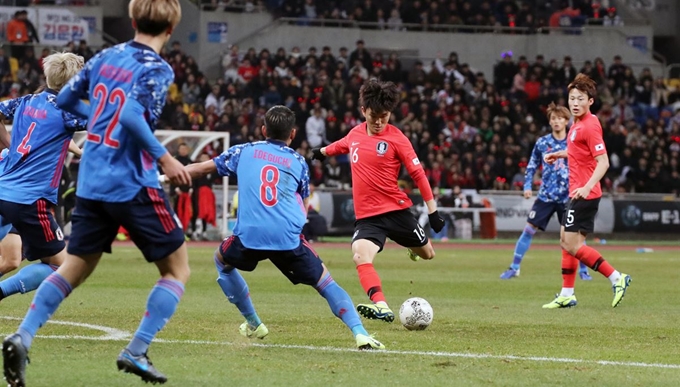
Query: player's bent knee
[{"x": 361, "y": 258}]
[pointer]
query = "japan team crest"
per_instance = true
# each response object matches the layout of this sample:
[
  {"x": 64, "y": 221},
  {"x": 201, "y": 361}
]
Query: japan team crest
[{"x": 381, "y": 148}]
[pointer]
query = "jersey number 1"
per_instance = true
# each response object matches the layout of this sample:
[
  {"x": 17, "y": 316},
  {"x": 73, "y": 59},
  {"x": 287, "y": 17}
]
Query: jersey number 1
[
  {"x": 101, "y": 92},
  {"x": 269, "y": 178}
]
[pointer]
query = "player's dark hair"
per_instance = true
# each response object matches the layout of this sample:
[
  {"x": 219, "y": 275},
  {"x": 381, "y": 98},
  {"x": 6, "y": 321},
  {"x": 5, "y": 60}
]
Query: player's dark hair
[
  {"x": 379, "y": 96},
  {"x": 584, "y": 84},
  {"x": 279, "y": 121}
]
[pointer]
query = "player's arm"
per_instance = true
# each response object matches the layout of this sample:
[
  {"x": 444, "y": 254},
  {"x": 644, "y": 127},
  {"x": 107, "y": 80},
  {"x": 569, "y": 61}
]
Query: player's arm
[
  {"x": 339, "y": 147},
  {"x": 147, "y": 94},
  {"x": 550, "y": 158},
  {"x": 303, "y": 187},
  {"x": 595, "y": 143},
  {"x": 198, "y": 170},
  {"x": 408, "y": 157},
  {"x": 7, "y": 109},
  {"x": 75, "y": 149},
  {"x": 534, "y": 161},
  {"x": 71, "y": 96}
]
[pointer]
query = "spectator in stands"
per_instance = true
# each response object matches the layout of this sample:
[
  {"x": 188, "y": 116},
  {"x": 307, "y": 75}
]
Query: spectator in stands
[
  {"x": 612, "y": 18},
  {"x": 315, "y": 128},
  {"x": 4, "y": 64}
]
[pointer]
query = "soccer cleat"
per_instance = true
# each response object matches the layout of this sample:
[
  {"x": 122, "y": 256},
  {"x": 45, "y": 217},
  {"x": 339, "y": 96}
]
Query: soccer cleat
[
  {"x": 620, "y": 289},
  {"x": 140, "y": 366},
  {"x": 413, "y": 256},
  {"x": 368, "y": 343},
  {"x": 15, "y": 358},
  {"x": 510, "y": 273},
  {"x": 376, "y": 312},
  {"x": 561, "y": 302},
  {"x": 585, "y": 276},
  {"x": 258, "y": 333}
]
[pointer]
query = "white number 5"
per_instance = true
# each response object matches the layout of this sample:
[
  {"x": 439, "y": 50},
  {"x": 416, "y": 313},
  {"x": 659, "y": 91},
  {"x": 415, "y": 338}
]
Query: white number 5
[{"x": 570, "y": 217}]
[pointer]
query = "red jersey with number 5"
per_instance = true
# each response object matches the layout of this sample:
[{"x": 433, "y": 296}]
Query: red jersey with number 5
[
  {"x": 376, "y": 161},
  {"x": 584, "y": 143}
]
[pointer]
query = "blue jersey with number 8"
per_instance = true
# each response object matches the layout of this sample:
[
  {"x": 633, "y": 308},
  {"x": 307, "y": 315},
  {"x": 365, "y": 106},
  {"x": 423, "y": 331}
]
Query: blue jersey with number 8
[
  {"x": 273, "y": 181},
  {"x": 41, "y": 134},
  {"x": 115, "y": 165}
]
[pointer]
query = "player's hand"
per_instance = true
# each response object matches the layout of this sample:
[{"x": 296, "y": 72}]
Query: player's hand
[
  {"x": 174, "y": 170},
  {"x": 317, "y": 155},
  {"x": 580, "y": 193},
  {"x": 528, "y": 194},
  {"x": 436, "y": 221},
  {"x": 550, "y": 158}
]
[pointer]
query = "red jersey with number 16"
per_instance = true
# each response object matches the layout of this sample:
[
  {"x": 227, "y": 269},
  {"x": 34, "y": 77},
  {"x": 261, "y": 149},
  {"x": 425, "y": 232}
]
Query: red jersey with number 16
[
  {"x": 376, "y": 162},
  {"x": 584, "y": 143}
]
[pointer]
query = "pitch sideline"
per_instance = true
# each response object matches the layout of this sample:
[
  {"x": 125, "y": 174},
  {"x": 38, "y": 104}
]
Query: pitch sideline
[{"x": 113, "y": 334}]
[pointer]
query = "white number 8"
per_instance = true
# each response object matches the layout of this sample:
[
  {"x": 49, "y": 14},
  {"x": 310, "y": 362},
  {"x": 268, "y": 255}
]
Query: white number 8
[{"x": 355, "y": 155}]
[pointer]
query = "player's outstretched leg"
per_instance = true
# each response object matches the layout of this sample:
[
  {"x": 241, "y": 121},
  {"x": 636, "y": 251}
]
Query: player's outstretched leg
[
  {"x": 593, "y": 259},
  {"x": 27, "y": 279},
  {"x": 342, "y": 307},
  {"x": 364, "y": 251},
  {"x": 521, "y": 247},
  {"x": 566, "y": 298},
  {"x": 236, "y": 289}
]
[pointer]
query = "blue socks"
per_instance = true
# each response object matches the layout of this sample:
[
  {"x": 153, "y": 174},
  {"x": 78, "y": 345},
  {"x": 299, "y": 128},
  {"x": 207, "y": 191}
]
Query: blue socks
[
  {"x": 27, "y": 279},
  {"x": 522, "y": 246},
  {"x": 236, "y": 289},
  {"x": 53, "y": 290},
  {"x": 160, "y": 306},
  {"x": 340, "y": 304}
]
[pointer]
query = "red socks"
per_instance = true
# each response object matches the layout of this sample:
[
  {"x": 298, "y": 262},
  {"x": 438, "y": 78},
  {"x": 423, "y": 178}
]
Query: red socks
[
  {"x": 594, "y": 260},
  {"x": 569, "y": 266},
  {"x": 370, "y": 281}
]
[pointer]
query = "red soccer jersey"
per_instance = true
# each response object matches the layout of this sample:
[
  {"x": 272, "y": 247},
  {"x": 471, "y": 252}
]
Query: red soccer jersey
[
  {"x": 584, "y": 143},
  {"x": 376, "y": 161}
]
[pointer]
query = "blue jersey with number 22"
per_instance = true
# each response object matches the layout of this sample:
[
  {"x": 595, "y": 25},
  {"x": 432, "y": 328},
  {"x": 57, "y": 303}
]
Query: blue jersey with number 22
[{"x": 273, "y": 181}]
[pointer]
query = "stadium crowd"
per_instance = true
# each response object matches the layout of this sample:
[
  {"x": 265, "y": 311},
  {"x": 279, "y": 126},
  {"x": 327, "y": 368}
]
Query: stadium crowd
[
  {"x": 427, "y": 14},
  {"x": 470, "y": 130}
]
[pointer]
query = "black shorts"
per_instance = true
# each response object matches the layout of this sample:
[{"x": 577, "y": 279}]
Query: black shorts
[
  {"x": 301, "y": 265},
  {"x": 400, "y": 226},
  {"x": 152, "y": 225},
  {"x": 41, "y": 236},
  {"x": 541, "y": 212},
  {"x": 579, "y": 215}
]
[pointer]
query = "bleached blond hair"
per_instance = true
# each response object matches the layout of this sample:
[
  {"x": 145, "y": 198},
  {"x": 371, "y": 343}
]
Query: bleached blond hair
[
  {"x": 60, "y": 67},
  {"x": 153, "y": 17}
]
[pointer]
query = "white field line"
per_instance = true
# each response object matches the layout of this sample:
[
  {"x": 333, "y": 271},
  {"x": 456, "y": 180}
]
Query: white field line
[{"x": 112, "y": 334}]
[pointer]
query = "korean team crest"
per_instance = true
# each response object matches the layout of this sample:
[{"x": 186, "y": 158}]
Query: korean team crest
[
  {"x": 572, "y": 137},
  {"x": 381, "y": 148}
]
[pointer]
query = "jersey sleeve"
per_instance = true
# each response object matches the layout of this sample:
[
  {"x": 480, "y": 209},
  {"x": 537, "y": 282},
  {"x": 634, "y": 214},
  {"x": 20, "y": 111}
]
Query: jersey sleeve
[
  {"x": 7, "y": 108},
  {"x": 151, "y": 89},
  {"x": 227, "y": 162},
  {"x": 594, "y": 140},
  {"x": 73, "y": 122},
  {"x": 408, "y": 157},
  {"x": 339, "y": 147},
  {"x": 534, "y": 161},
  {"x": 303, "y": 188}
]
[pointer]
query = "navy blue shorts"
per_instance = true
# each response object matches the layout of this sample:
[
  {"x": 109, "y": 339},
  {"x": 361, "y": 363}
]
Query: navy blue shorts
[
  {"x": 541, "y": 213},
  {"x": 301, "y": 265},
  {"x": 41, "y": 236},
  {"x": 152, "y": 224}
]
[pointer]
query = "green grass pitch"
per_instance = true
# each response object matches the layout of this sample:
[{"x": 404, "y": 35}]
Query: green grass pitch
[{"x": 486, "y": 332}]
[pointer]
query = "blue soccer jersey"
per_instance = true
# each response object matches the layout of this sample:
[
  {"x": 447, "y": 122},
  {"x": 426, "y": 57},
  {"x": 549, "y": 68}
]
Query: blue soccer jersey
[
  {"x": 115, "y": 164},
  {"x": 41, "y": 134},
  {"x": 273, "y": 181},
  {"x": 555, "y": 178}
]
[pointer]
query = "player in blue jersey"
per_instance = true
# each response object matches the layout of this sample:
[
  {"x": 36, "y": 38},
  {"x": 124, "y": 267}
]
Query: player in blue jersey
[
  {"x": 554, "y": 192},
  {"x": 273, "y": 186},
  {"x": 127, "y": 86},
  {"x": 30, "y": 177}
]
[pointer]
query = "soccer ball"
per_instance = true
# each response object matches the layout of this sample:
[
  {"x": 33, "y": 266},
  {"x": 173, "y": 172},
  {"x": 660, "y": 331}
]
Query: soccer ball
[{"x": 416, "y": 314}]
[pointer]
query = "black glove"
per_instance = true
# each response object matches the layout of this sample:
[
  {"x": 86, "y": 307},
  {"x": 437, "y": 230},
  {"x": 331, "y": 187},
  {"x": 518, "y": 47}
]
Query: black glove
[
  {"x": 436, "y": 221},
  {"x": 317, "y": 155}
]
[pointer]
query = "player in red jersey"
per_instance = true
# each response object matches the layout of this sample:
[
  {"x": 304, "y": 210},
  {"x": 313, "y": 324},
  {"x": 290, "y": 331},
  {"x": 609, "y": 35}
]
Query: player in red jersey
[
  {"x": 377, "y": 151},
  {"x": 588, "y": 162}
]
